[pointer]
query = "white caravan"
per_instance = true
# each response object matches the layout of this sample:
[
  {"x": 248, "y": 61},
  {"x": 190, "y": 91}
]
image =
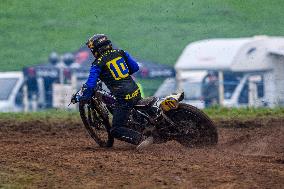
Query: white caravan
[{"x": 257, "y": 64}]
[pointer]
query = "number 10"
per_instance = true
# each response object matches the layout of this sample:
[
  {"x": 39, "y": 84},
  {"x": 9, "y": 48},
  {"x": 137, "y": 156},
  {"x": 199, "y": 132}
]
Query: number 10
[{"x": 118, "y": 68}]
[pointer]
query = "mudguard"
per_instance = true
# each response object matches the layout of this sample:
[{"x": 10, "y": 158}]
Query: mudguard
[{"x": 172, "y": 101}]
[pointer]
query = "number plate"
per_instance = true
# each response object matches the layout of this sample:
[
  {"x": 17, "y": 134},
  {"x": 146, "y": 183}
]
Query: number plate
[{"x": 169, "y": 104}]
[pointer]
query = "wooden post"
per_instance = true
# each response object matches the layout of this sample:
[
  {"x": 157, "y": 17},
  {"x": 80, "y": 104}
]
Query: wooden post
[
  {"x": 221, "y": 87},
  {"x": 178, "y": 81},
  {"x": 25, "y": 98}
]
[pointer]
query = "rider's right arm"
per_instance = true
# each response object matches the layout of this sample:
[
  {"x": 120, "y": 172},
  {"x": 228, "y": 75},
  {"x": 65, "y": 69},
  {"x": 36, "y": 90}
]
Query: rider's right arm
[{"x": 131, "y": 63}]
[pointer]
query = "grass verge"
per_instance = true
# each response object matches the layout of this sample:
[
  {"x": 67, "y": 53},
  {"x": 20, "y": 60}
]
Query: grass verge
[
  {"x": 156, "y": 30},
  {"x": 214, "y": 113}
]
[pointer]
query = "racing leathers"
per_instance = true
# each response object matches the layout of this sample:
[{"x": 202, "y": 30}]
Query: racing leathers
[{"x": 114, "y": 68}]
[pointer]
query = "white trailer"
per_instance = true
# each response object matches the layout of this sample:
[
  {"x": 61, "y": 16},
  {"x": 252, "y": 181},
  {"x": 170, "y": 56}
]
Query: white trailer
[{"x": 256, "y": 59}]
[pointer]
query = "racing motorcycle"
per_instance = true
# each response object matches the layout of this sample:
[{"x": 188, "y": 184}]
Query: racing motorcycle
[{"x": 163, "y": 118}]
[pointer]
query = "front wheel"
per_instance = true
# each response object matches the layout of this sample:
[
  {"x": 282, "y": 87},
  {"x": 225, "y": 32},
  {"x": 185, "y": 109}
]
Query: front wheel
[
  {"x": 97, "y": 125},
  {"x": 195, "y": 128}
]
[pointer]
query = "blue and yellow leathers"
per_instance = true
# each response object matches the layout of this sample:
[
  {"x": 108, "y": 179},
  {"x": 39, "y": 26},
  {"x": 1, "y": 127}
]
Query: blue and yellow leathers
[{"x": 114, "y": 68}]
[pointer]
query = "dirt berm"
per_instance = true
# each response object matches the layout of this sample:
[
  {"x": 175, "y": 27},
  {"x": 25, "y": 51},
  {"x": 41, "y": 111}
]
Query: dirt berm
[{"x": 59, "y": 154}]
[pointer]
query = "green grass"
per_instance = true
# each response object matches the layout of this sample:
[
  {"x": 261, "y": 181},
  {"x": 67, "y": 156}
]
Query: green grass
[
  {"x": 150, "y": 85},
  {"x": 154, "y": 30},
  {"x": 244, "y": 113},
  {"x": 42, "y": 115},
  {"x": 14, "y": 178},
  {"x": 214, "y": 113}
]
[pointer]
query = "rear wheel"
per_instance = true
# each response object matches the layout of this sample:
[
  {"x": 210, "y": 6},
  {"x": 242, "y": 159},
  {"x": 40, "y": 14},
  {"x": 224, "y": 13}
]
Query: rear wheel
[
  {"x": 195, "y": 128},
  {"x": 97, "y": 125}
]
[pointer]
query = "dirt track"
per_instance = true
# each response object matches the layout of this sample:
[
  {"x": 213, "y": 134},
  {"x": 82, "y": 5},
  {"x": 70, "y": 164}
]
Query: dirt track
[{"x": 63, "y": 156}]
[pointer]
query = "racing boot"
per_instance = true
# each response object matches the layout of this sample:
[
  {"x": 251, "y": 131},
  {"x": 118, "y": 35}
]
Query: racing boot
[{"x": 146, "y": 142}]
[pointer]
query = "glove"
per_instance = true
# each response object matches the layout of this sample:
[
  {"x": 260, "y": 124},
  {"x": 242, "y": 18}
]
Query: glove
[
  {"x": 74, "y": 98},
  {"x": 86, "y": 92}
]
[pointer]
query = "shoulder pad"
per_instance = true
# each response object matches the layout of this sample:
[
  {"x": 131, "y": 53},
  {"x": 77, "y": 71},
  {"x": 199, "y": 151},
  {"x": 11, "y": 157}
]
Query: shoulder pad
[
  {"x": 95, "y": 62},
  {"x": 120, "y": 50}
]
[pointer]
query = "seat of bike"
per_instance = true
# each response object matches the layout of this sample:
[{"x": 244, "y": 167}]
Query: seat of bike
[{"x": 150, "y": 101}]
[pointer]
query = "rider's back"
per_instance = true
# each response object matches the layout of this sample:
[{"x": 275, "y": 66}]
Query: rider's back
[{"x": 115, "y": 73}]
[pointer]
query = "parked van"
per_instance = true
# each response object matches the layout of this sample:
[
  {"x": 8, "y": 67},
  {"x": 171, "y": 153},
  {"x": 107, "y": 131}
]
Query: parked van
[
  {"x": 11, "y": 93},
  {"x": 240, "y": 90},
  {"x": 191, "y": 85}
]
